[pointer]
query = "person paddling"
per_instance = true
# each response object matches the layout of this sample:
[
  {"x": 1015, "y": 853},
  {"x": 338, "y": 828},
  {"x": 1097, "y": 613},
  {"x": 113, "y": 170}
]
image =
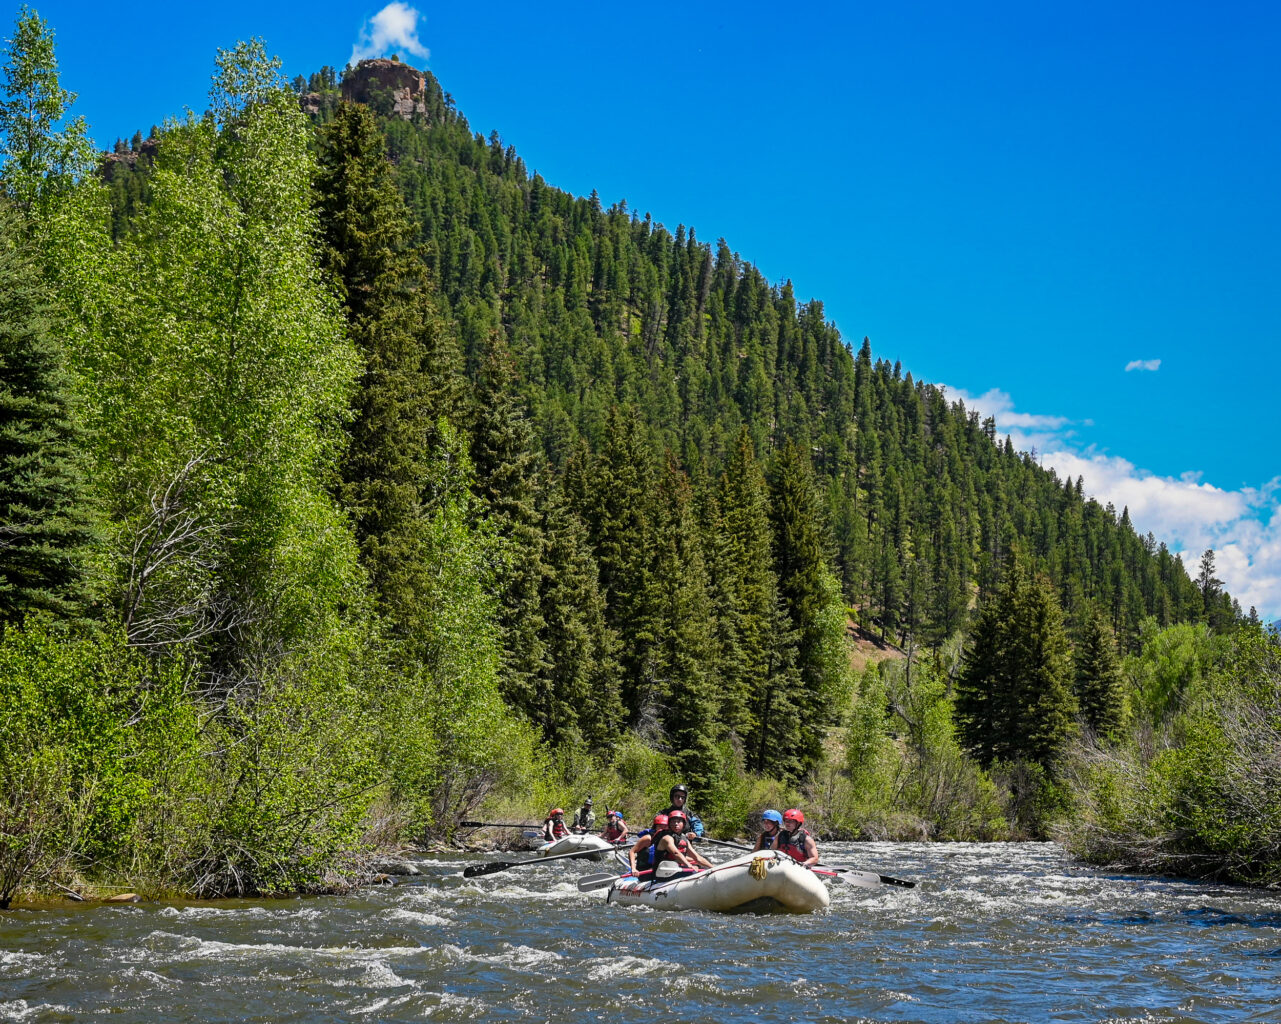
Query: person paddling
[
  {"x": 554, "y": 827},
  {"x": 678, "y": 796},
  {"x": 584, "y": 817},
  {"x": 615, "y": 830},
  {"x": 771, "y": 829},
  {"x": 674, "y": 845},
  {"x": 640, "y": 857},
  {"x": 796, "y": 841}
]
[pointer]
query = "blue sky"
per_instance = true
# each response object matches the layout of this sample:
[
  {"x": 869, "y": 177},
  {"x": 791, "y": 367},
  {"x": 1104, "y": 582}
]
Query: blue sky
[{"x": 1069, "y": 214}]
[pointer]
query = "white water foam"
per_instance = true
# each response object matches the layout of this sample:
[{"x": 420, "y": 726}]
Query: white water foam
[
  {"x": 628, "y": 967},
  {"x": 191, "y": 947},
  {"x": 419, "y": 917},
  {"x": 20, "y": 1009}
]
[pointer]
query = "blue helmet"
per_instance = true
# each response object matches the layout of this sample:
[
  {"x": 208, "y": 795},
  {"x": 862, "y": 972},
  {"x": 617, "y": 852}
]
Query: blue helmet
[{"x": 773, "y": 816}]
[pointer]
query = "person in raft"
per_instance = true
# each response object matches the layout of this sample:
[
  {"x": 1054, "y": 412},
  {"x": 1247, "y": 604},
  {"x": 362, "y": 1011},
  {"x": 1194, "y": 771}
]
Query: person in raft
[
  {"x": 771, "y": 829},
  {"x": 615, "y": 830},
  {"x": 554, "y": 827},
  {"x": 795, "y": 840},
  {"x": 678, "y": 796},
  {"x": 640, "y": 858},
  {"x": 584, "y": 817},
  {"x": 674, "y": 845}
]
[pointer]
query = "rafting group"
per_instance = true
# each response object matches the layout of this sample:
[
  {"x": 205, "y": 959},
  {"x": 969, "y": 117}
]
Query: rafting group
[{"x": 664, "y": 870}]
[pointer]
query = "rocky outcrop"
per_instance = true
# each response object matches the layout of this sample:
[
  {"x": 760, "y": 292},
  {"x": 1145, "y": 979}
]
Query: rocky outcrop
[{"x": 390, "y": 87}]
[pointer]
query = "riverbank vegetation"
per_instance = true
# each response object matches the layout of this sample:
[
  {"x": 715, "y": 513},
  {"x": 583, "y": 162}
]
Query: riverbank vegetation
[{"x": 354, "y": 480}]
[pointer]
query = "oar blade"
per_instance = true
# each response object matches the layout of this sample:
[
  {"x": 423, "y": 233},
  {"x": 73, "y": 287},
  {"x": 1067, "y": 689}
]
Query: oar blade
[
  {"x": 488, "y": 869},
  {"x": 867, "y": 879},
  {"x": 589, "y": 883}
]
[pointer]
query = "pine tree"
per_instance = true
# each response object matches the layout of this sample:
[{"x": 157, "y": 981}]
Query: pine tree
[
  {"x": 617, "y": 504},
  {"x": 1098, "y": 675},
  {"x": 681, "y": 661},
  {"x": 506, "y": 482},
  {"x": 46, "y": 524},
  {"x": 812, "y": 598},
  {"x": 398, "y": 458},
  {"x": 1013, "y": 698},
  {"x": 577, "y": 696}
]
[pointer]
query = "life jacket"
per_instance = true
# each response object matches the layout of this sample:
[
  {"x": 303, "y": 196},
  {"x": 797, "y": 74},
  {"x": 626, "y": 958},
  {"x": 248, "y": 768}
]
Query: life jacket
[
  {"x": 613, "y": 832},
  {"x": 769, "y": 842},
  {"x": 556, "y": 829},
  {"x": 658, "y": 856},
  {"x": 792, "y": 843},
  {"x": 645, "y": 859}
]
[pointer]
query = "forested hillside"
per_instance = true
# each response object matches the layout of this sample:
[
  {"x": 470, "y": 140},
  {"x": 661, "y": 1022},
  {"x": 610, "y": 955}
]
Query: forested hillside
[
  {"x": 604, "y": 308},
  {"x": 368, "y": 479}
]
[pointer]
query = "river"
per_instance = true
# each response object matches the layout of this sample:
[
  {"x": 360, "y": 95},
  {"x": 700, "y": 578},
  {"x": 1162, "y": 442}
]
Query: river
[{"x": 992, "y": 933}]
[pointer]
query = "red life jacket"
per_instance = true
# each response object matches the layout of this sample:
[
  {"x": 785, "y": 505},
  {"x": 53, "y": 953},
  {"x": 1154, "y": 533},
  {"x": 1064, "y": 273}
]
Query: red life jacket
[
  {"x": 613, "y": 832},
  {"x": 682, "y": 844},
  {"x": 793, "y": 843},
  {"x": 558, "y": 829}
]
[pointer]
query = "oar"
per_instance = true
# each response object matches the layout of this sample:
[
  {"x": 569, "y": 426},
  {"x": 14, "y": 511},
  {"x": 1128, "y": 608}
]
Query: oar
[
  {"x": 589, "y": 883},
  {"x": 867, "y": 879},
  {"x": 503, "y": 865},
  {"x": 492, "y": 824}
]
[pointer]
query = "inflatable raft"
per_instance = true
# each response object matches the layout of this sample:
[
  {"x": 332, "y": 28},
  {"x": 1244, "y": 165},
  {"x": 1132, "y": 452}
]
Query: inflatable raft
[
  {"x": 761, "y": 882},
  {"x": 599, "y": 847}
]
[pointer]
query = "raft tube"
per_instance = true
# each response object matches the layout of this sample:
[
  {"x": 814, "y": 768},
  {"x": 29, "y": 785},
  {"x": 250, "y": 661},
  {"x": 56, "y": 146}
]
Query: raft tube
[
  {"x": 569, "y": 844},
  {"x": 763, "y": 882}
]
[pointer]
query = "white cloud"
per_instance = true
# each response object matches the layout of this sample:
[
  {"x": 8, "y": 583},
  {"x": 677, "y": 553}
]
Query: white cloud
[
  {"x": 1143, "y": 364},
  {"x": 1189, "y": 515},
  {"x": 394, "y": 28}
]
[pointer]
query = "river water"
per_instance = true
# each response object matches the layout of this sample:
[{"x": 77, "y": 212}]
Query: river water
[{"x": 992, "y": 933}]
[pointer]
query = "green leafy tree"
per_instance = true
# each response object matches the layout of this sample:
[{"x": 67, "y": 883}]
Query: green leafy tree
[
  {"x": 222, "y": 378},
  {"x": 42, "y": 155}
]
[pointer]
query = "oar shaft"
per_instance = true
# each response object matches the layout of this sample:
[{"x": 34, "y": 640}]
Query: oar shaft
[
  {"x": 502, "y": 865},
  {"x": 493, "y": 824}
]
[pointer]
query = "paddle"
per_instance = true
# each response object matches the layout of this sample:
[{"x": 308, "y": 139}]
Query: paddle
[
  {"x": 503, "y": 865},
  {"x": 492, "y": 824},
  {"x": 588, "y": 883},
  {"x": 853, "y": 876}
]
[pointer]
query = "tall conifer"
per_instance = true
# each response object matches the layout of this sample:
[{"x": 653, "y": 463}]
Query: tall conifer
[
  {"x": 1014, "y": 699},
  {"x": 46, "y": 526}
]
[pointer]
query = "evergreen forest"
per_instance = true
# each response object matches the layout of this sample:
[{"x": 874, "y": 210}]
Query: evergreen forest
[{"x": 357, "y": 481}]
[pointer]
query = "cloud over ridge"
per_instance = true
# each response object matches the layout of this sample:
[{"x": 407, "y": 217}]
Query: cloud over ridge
[
  {"x": 1243, "y": 526},
  {"x": 394, "y": 28}
]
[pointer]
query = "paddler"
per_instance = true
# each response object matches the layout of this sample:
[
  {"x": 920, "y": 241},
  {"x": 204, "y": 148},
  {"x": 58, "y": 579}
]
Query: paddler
[
  {"x": 675, "y": 845},
  {"x": 584, "y": 817},
  {"x": 678, "y": 796},
  {"x": 554, "y": 827},
  {"x": 641, "y": 856},
  {"x": 615, "y": 830},
  {"x": 771, "y": 829},
  {"x": 795, "y": 840}
]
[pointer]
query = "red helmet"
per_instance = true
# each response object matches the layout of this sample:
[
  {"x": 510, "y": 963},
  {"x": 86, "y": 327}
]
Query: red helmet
[
  {"x": 792, "y": 814},
  {"x": 660, "y": 821},
  {"x": 556, "y": 811},
  {"x": 675, "y": 816}
]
